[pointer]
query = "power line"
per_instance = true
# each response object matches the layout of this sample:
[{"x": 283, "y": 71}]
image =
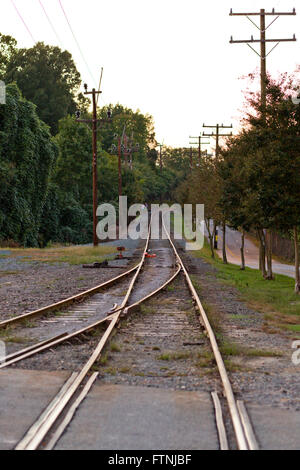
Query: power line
[
  {"x": 262, "y": 14},
  {"x": 99, "y": 87},
  {"x": 23, "y": 21},
  {"x": 77, "y": 43},
  {"x": 217, "y": 135},
  {"x": 51, "y": 24}
]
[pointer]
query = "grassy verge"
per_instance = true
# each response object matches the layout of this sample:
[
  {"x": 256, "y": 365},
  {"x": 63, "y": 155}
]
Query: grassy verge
[
  {"x": 63, "y": 254},
  {"x": 275, "y": 299}
]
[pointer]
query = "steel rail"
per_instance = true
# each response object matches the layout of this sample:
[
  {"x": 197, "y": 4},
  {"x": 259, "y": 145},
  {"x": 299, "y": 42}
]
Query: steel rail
[
  {"x": 235, "y": 416},
  {"x": 249, "y": 433},
  {"x": 56, "y": 341},
  {"x": 66, "y": 302},
  {"x": 33, "y": 347},
  {"x": 69, "y": 416},
  {"x": 220, "y": 422},
  {"x": 32, "y": 440}
]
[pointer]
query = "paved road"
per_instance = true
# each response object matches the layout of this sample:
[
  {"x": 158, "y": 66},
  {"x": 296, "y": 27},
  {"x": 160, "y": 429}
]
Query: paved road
[
  {"x": 233, "y": 244},
  {"x": 127, "y": 417}
]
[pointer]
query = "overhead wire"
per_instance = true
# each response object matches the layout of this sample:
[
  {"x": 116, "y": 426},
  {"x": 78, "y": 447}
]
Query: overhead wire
[
  {"x": 77, "y": 43},
  {"x": 23, "y": 21},
  {"x": 99, "y": 87},
  {"x": 51, "y": 24}
]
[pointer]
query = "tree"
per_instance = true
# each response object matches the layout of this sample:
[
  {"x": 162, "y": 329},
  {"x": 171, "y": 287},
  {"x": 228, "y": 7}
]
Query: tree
[
  {"x": 261, "y": 170},
  {"x": 48, "y": 77},
  {"x": 8, "y": 46},
  {"x": 202, "y": 187},
  {"x": 27, "y": 156}
]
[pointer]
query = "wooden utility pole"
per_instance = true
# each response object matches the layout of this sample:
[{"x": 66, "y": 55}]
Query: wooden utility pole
[
  {"x": 125, "y": 149},
  {"x": 263, "y": 65},
  {"x": 119, "y": 166},
  {"x": 262, "y": 41},
  {"x": 94, "y": 122},
  {"x": 130, "y": 149},
  {"x": 199, "y": 137},
  {"x": 191, "y": 158},
  {"x": 263, "y": 85},
  {"x": 217, "y": 135},
  {"x": 160, "y": 156}
]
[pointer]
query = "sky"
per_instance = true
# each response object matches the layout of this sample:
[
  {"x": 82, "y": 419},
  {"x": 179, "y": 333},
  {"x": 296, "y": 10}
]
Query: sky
[{"x": 169, "y": 58}]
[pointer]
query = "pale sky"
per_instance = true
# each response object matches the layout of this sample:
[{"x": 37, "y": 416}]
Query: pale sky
[{"x": 169, "y": 58}]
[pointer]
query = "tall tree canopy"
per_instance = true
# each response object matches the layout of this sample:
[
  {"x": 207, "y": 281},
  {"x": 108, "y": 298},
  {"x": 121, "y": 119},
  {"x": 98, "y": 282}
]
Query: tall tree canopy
[
  {"x": 27, "y": 155},
  {"x": 8, "y": 46},
  {"x": 46, "y": 75}
]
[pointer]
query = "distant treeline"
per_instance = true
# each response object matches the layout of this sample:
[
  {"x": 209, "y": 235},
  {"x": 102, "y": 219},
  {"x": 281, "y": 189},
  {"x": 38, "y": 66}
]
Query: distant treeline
[{"x": 46, "y": 156}]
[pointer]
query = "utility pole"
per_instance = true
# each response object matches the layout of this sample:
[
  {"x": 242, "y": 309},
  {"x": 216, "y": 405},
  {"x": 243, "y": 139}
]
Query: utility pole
[
  {"x": 191, "y": 158},
  {"x": 263, "y": 85},
  {"x": 94, "y": 122},
  {"x": 160, "y": 156},
  {"x": 199, "y": 137},
  {"x": 262, "y": 41},
  {"x": 120, "y": 166},
  {"x": 123, "y": 149},
  {"x": 217, "y": 135},
  {"x": 131, "y": 148}
]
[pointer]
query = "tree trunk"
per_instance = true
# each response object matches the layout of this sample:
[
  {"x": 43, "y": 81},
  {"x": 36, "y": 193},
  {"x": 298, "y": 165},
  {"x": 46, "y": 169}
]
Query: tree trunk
[
  {"x": 297, "y": 273},
  {"x": 269, "y": 276},
  {"x": 262, "y": 252},
  {"x": 243, "y": 251},
  {"x": 224, "y": 243},
  {"x": 210, "y": 237}
]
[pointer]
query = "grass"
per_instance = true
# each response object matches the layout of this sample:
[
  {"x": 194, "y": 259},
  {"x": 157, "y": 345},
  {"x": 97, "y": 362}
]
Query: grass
[
  {"x": 276, "y": 298},
  {"x": 163, "y": 357},
  {"x": 173, "y": 356},
  {"x": 295, "y": 328},
  {"x": 233, "y": 349},
  {"x": 16, "y": 339},
  {"x": 103, "y": 360},
  {"x": 30, "y": 323},
  {"x": 170, "y": 288},
  {"x": 73, "y": 255},
  {"x": 8, "y": 273},
  {"x": 145, "y": 310},
  {"x": 114, "y": 347},
  {"x": 239, "y": 317},
  {"x": 110, "y": 371}
]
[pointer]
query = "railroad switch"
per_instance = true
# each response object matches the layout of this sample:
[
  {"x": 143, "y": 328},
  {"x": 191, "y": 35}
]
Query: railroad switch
[{"x": 149, "y": 255}]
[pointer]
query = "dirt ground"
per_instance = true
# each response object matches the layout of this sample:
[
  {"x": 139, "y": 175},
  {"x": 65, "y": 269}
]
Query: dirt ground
[{"x": 41, "y": 284}]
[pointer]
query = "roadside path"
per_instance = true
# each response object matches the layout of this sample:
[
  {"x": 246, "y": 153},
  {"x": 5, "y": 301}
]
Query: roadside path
[{"x": 233, "y": 244}]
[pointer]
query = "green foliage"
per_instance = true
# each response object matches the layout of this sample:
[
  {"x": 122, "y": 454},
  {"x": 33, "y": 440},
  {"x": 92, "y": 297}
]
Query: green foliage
[
  {"x": 7, "y": 49},
  {"x": 261, "y": 166},
  {"x": 46, "y": 184},
  {"x": 46, "y": 75},
  {"x": 27, "y": 155}
]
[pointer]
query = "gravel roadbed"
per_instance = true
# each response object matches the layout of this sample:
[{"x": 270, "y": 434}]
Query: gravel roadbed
[{"x": 272, "y": 380}]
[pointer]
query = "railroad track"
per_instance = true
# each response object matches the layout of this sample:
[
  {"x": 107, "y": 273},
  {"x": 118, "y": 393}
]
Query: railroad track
[{"x": 60, "y": 411}]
